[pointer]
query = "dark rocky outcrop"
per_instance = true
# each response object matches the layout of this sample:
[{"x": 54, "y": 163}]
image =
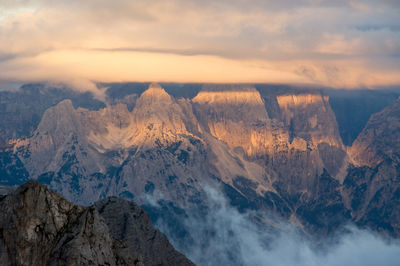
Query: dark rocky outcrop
[
  {"x": 39, "y": 227},
  {"x": 130, "y": 223}
]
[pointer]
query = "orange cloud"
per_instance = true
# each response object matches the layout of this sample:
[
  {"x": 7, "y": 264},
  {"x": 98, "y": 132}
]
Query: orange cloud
[{"x": 333, "y": 44}]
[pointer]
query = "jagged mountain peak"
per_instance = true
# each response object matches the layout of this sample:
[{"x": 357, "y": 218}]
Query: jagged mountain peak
[
  {"x": 59, "y": 120},
  {"x": 158, "y": 116},
  {"x": 153, "y": 95},
  {"x": 155, "y": 86}
]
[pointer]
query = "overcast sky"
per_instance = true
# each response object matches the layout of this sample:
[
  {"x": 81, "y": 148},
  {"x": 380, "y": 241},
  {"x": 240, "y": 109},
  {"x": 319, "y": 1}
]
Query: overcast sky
[{"x": 339, "y": 43}]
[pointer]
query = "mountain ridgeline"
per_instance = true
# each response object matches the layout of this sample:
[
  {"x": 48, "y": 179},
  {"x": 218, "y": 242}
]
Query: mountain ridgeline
[{"x": 272, "y": 150}]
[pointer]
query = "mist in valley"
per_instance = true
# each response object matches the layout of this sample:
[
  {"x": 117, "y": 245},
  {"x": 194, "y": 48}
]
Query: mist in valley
[{"x": 224, "y": 236}]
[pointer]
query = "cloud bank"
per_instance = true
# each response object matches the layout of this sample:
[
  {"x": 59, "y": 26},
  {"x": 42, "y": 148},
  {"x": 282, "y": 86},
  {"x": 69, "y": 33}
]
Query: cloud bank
[
  {"x": 335, "y": 43},
  {"x": 227, "y": 237}
]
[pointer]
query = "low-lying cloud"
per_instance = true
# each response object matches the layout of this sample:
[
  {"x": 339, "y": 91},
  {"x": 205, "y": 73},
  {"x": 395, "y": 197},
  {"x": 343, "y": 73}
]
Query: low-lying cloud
[
  {"x": 226, "y": 237},
  {"x": 201, "y": 41}
]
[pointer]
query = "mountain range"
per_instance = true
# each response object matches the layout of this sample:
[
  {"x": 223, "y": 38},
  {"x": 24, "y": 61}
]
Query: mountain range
[{"x": 317, "y": 158}]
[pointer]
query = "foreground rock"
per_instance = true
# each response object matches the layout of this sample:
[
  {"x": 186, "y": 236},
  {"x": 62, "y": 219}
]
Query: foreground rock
[
  {"x": 39, "y": 227},
  {"x": 130, "y": 223}
]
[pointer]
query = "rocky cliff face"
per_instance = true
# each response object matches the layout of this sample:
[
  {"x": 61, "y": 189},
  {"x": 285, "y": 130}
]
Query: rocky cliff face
[
  {"x": 313, "y": 140},
  {"x": 131, "y": 224},
  {"x": 379, "y": 140},
  {"x": 278, "y": 150},
  {"x": 372, "y": 185},
  {"x": 235, "y": 116},
  {"x": 39, "y": 227}
]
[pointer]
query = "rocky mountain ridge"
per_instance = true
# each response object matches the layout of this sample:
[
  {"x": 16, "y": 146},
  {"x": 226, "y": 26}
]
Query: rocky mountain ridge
[{"x": 279, "y": 152}]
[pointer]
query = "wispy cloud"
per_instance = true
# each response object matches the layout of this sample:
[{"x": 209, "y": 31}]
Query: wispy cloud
[
  {"x": 226, "y": 237},
  {"x": 202, "y": 41}
]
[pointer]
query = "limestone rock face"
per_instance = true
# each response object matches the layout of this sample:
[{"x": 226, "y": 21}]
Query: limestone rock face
[
  {"x": 294, "y": 144},
  {"x": 379, "y": 140},
  {"x": 236, "y": 116},
  {"x": 373, "y": 196},
  {"x": 372, "y": 184},
  {"x": 237, "y": 131},
  {"x": 313, "y": 145},
  {"x": 60, "y": 135},
  {"x": 309, "y": 116},
  {"x": 39, "y": 227},
  {"x": 107, "y": 129},
  {"x": 158, "y": 117}
]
